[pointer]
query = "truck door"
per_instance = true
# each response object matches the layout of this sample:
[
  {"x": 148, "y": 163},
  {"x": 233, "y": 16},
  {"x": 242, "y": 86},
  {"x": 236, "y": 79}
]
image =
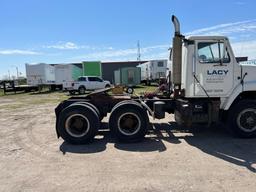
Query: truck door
[{"x": 213, "y": 70}]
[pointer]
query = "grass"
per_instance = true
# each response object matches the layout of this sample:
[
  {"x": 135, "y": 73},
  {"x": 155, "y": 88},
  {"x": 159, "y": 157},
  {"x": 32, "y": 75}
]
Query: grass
[
  {"x": 140, "y": 90},
  {"x": 21, "y": 100},
  {"x": 1, "y": 92}
]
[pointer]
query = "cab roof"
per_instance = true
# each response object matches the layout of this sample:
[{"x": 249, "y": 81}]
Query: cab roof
[{"x": 192, "y": 38}]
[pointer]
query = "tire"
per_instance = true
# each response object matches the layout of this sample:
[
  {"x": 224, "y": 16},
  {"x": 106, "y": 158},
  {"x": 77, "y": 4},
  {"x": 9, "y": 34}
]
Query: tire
[
  {"x": 242, "y": 119},
  {"x": 180, "y": 121},
  {"x": 85, "y": 124},
  {"x": 92, "y": 106},
  {"x": 107, "y": 86},
  {"x": 82, "y": 90},
  {"x": 129, "y": 90},
  {"x": 121, "y": 119}
]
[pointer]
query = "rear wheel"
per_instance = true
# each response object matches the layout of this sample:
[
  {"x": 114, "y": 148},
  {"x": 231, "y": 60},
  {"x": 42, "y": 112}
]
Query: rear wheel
[
  {"x": 72, "y": 92},
  {"x": 100, "y": 115},
  {"x": 78, "y": 124},
  {"x": 242, "y": 119},
  {"x": 81, "y": 90},
  {"x": 129, "y": 122}
]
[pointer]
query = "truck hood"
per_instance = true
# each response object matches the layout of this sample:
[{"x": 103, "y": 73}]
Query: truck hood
[
  {"x": 107, "y": 82},
  {"x": 249, "y": 72}
]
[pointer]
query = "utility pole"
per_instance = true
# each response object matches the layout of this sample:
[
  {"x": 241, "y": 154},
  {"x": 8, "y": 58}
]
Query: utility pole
[
  {"x": 139, "y": 52},
  {"x": 9, "y": 75},
  {"x": 17, "y": 72}
]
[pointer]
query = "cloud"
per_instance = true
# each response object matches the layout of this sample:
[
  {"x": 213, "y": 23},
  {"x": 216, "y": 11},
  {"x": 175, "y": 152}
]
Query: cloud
[
  {"x": 240, "y": 3},
  {"x": 227, "y": 28},
  {"x": 18, "y": 52},
  {"x": 124, "y": 54},
  {"x": 241, "y": 34},
  {"x": 64, "y": 46},
  {"x": 73, "y": 46},
  {"x": 245, "y": 48}
]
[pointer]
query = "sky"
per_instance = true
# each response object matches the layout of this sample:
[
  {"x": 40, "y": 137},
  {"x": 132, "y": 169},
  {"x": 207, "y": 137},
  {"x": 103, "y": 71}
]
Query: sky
[{"x": 65, "y": 31}]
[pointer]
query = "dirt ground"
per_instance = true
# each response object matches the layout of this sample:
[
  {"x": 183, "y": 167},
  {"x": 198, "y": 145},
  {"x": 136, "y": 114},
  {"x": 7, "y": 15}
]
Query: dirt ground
[{"x": 169, "y": 159}]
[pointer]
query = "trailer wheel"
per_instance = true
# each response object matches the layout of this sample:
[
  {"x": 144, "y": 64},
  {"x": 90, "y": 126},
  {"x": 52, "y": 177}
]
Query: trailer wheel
[
  {"x": 82, "y": 90},
  {"x": 128, "y": 122},
  {"x": 101, "y": 116},
  {"x": 129, "y": 90},
  {"x": 242, "y": 119},
  {"x": 78, "y": 124}
]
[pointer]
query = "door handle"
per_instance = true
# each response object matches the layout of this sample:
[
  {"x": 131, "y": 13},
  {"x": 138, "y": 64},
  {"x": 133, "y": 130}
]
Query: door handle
[{"x": 219, "y": 65}]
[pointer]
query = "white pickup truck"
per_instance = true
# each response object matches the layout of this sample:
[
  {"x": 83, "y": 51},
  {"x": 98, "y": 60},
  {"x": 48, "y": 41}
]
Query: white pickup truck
[{"x": 88, "y": 83}]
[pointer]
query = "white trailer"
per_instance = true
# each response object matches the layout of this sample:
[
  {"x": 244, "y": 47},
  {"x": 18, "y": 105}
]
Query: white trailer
[
  {"x": 66, "y": 74},
  {"x": 40, "y": 74},
  {"x": 153, "y": 70}
]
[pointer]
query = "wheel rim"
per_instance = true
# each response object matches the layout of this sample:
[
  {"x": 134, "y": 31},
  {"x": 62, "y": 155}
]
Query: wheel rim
[
  {"x": 246, "y": 120},
  {"x": 129, "y": 90},
  {"x": 129, "y": 123},
  {"x": 77, "y": 125},
  {"x": 82, "y": 90}
]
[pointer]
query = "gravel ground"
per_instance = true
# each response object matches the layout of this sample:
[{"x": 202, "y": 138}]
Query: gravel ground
[{"x": 169, "y": 159}]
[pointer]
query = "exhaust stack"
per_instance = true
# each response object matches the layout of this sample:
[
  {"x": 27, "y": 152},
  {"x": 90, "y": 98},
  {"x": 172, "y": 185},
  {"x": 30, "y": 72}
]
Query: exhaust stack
[{"x": 177, "y": 57}]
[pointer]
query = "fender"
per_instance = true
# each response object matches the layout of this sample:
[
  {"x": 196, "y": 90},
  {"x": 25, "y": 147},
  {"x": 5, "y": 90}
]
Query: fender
[{"x": 248, "y": 86}]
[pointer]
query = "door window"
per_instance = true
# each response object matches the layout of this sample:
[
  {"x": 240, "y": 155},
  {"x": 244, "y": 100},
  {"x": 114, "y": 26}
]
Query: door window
[
  {"x": 212, "y": 52},
  {"x": 97, "y": 79},
  {"x": 82, "y": 79}
]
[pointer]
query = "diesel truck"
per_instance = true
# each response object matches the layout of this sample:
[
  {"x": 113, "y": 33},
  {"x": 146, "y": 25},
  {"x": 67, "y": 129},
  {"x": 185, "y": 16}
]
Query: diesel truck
[{"x": 207, "y": 85}]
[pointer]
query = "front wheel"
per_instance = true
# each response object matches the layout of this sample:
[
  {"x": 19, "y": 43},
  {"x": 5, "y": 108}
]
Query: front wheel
[{"x": 242, "y": 119}]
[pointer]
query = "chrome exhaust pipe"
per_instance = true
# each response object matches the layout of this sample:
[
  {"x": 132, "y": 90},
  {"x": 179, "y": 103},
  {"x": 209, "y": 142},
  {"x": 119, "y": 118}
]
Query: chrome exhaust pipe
[
  {"x": 177, "y": 57},
  {"x": 176, "y": 24}
]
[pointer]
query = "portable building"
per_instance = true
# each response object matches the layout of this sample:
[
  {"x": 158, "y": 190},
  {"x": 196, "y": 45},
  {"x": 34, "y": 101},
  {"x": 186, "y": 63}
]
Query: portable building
[{"x": 129, "y": 76}]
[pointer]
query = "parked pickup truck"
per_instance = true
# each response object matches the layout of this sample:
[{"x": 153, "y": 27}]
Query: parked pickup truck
[{"x": 88, "y": 83}]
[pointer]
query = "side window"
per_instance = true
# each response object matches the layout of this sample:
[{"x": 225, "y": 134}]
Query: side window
[
  {"x": 98, "y": 79},
  {"x": 82, "y": 79},
  {"x": 160, "y": 64},
  {"x": 212, "y": 52},
  {"x": 91, "y": 78}
]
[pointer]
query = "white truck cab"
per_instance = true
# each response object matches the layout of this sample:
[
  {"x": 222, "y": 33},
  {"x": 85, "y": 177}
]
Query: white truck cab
[
  {"x": 210, "y": 69},
  {"x": 207, "y": 79}
]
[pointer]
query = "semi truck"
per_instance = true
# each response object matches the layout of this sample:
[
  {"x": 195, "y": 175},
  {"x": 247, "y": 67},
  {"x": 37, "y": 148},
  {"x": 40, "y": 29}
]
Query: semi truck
[{"x": 207, "y": 85}]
